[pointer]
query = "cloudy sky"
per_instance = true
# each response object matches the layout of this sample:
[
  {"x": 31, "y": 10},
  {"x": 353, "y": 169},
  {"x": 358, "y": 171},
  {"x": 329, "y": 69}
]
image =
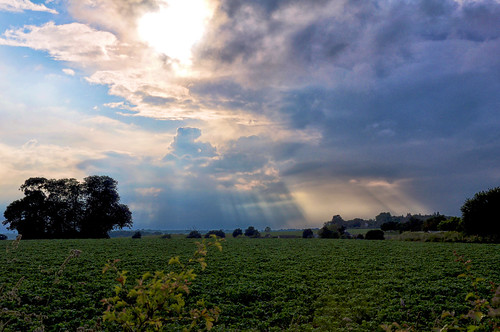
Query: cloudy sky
[{"x": 229, "y": 113}]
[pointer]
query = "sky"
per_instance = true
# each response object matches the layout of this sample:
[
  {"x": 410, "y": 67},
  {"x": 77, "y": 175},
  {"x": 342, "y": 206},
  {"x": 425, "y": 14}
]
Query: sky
[{"x": 228, "y": 113}]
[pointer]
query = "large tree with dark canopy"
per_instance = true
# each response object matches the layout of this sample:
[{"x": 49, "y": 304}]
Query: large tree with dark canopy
[
  {"x": 66, "y": 208},
  {"x": 480, "y": 214}
]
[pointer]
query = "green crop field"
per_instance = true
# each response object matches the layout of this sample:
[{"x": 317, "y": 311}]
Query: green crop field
[{"x": 258, "y": 284}]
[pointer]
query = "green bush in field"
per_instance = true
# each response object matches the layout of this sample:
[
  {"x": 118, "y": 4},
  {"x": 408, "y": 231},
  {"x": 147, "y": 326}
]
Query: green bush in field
[
  {"x": 237, "y": 232},
  {"x": 3, "y": 237},
  {"x": 194, "y": 235},
  {"x": 158, "y": 299},
  {"x": 219, "y": 233},
  {"x": 374, "y": 234},
  {"x": 307, "y": 233},
  {"x": 252, "y": 232}
]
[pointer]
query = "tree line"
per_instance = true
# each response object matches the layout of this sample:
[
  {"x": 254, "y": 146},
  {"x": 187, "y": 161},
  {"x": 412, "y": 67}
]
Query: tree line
[
  {"x": 479, "y": 217},
  {"x": 67, "y": 208}
]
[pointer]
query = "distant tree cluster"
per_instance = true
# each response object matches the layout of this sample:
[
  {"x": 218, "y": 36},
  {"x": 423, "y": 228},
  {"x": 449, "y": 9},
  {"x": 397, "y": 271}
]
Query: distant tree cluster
[
  {"x": 252, "y": 232},
  {"x": 66, "y": 208},
  {"x": 381, "y": 218},
  {"x": 194, "y": 235},
  {"x": 332, "y": 229},
  {"x": 219, "y": 233},
  {"x": 436, "y": 222},
  {"x": 3, "y": 237}
]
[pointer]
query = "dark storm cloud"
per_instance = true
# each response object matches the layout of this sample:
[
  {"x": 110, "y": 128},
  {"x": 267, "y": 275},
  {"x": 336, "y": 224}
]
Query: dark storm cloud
[
  {"x": 398, "y": 90},
  {"x": 226, "y": 94}
]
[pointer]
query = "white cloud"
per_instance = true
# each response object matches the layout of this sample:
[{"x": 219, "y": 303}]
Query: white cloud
[
  {"x": 21, "y": 5},
  {"x": 68, "y": 71},
  {"x": 75, "y": 42},
  {"x": 152, "y": 191}
]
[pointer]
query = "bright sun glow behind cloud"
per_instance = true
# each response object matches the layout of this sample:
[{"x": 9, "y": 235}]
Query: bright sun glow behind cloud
[{"x": 176, "y": 27}]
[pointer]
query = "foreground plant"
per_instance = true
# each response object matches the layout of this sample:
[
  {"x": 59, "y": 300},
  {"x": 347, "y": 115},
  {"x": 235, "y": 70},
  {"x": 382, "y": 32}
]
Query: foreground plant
[
  {"x": 158, "y": 299},
  {"x": 483, "y": 314}
]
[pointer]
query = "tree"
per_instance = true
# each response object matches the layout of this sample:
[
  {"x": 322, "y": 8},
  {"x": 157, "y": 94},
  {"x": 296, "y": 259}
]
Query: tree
[
  {"x": 237, "y": 232},
  {"x": 326, "y": 233},
  {"x": 451, "y": 224},
  {"x": 390, "y": 226},
  {"x": 480, "y": 214},
  {"x": 331, "y": 230},
  {"x": 251, "y": 232},
  {"x": 431, "y": 224},
  {"x": 137, "y": 235},
  {"x": 267, "y": 229},
  {"x": 29, "y": 215},
  {"x": 383, "y": 217},
  {"x": 65, "y": 208},
  {"x": 103, "y": 210},
  {"x": 307, "y": 233},
  {"x": 3, "y": 237},
  {"x": 194, "y": 235},
  {"x": 220, "y": 233},
  {"x": 374, "y": 234},
  {"x": 412, "y": 225}
]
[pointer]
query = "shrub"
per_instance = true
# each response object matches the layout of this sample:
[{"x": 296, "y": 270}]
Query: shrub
[
  {"x": 360, "y": 237},
  {"x": 374, "y": 234},
  {"x": 237, "y": 232},
  {"x": 220, "y": 233},
  {"x": 194, "y": 235},
  {"x": 307, "y": 233},
  {"x": 137, "y": 235},
  {"x": 3, "y": 237},
  {"x": 166, "y": 236}
]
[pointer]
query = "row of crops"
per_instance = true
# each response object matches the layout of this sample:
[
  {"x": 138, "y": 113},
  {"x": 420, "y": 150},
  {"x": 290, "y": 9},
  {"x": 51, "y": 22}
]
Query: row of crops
[{"x": 258, "y": 284}]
